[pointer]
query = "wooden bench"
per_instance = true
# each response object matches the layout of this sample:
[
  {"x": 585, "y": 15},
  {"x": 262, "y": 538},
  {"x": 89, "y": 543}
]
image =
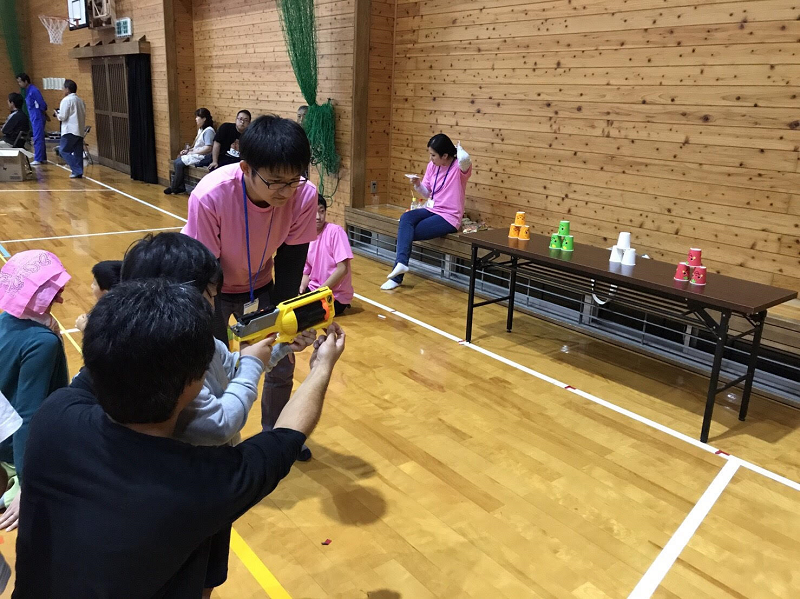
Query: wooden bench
[{"x": 191, "y": 175}]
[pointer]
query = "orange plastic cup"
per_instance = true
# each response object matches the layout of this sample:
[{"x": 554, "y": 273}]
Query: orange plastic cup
[
  {"x": 524, "y": 232},
  {"x": 520, "y": 219},
  {"x": 513, "y": 232}
]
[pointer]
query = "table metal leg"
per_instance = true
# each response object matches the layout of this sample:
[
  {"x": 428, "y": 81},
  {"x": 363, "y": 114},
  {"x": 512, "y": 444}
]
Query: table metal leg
[
  {"x": 512, "y": 292},
  {"x": 471, "y": 299},
  {"x": 751, "y": 366},
  {"x": 722, "y": 337}
]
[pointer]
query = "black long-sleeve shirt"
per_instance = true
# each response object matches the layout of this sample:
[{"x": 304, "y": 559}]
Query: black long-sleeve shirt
[
  {"x": 110, "y": 512},
  {"x": 16, "y": 123}
]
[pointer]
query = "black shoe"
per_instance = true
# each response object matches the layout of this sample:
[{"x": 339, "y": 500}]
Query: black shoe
[
  {"x": 168, "y": 190},
  {"x": 305, "y": 454}
]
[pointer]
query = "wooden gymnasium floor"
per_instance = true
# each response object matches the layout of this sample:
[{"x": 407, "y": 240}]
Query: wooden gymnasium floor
[{"x": 444, "y": 471}]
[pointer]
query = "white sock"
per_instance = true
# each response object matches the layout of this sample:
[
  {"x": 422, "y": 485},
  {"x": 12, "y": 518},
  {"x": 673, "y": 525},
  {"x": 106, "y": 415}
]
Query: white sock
[
  {"x": 390, "y": 285},
  {"x": 399, "y": 269}
]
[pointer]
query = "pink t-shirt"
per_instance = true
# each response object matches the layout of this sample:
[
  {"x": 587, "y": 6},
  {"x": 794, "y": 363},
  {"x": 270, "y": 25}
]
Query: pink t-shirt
[
  {"x": 216, "y": 218},
  {"x": 324, "y": 253},
  {"x": 449, "y": 193}
]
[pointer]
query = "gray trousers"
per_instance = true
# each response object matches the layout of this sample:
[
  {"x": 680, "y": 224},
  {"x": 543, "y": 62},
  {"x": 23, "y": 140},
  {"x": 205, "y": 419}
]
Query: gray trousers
[{"x": 278, "y": 382}]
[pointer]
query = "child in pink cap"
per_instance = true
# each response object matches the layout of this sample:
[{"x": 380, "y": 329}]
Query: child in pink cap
[{"x": 32, "y": 359}]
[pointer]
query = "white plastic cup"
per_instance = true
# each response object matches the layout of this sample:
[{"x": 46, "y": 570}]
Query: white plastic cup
[
  {"x": 629, "y": 257},
  {"x": 624, "y": 241},
  {"x": 616, "y": 254}
]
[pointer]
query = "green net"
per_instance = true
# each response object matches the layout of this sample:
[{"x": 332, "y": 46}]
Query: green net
[
  {"x": 10, "y": 24},
  {"x": 300, "y": 33}
]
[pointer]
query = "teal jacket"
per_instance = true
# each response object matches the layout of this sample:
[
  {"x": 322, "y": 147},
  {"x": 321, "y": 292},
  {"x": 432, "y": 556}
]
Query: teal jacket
[{"x": 32, "y": 366}]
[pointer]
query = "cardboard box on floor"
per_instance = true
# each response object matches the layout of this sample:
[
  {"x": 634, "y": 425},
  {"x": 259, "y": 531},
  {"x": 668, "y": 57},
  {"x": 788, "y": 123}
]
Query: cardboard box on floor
[{"x": 15, "y": 165}]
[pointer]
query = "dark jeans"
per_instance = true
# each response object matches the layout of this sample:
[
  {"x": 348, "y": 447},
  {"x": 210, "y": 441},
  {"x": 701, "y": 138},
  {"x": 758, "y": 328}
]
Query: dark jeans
[
  {"x": 71, "y": 149},
  {"x": 177, "y": 178},
  {"x": 418, "y": 225},
  {"x": 277, "y": 383}
]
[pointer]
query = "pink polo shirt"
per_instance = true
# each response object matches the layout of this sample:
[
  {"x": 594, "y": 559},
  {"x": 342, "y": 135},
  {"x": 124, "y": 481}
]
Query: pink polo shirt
[
  {"x": 216, "y": 218},
  {"x": 449, "y": 193},
  {"x": 324, "y": 253}
]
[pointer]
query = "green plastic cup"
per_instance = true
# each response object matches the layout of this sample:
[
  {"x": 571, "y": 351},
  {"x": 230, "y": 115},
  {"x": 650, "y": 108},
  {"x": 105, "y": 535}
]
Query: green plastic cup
[
  {"x": 563, "y": 228},
  {"x": 568, "y": 244},
  {"x": 555, "y": 241}
]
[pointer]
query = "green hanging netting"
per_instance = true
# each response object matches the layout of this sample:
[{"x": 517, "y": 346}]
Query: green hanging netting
[
  {"x": 8, "y": 18},
  {"x": 300, "y": 33}
]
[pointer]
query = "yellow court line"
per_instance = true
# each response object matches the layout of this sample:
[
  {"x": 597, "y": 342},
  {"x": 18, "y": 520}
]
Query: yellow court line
[
  {"x": 240, "y": 547},
  {"x": 257, "y": 568}
]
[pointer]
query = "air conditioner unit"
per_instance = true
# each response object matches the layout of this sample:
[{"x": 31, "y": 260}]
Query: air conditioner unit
[{"x": 124, "y": 28}]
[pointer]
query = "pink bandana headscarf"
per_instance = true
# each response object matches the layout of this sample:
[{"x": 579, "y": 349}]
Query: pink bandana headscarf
[{"x": 29, "y": 281}]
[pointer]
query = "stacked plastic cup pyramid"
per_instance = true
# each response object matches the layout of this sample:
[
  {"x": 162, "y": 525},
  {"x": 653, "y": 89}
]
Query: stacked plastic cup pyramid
[
  {"x": 518, "y": 229},
  {"x": 692, "y": 270},
  {"x": 562, "y": 240}
]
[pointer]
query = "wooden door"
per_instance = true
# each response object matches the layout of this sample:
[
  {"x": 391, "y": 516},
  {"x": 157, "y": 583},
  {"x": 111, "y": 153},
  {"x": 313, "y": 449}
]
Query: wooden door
[{"x": 110, "y": 84}]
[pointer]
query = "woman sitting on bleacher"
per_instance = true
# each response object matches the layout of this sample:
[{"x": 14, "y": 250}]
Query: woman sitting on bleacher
[
  {"x": 199, "y": 154},
  {"x": 444, "y": 187}
]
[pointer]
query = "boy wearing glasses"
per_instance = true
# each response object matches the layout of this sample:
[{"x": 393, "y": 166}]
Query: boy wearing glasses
[{"x": 253, "y": 215}]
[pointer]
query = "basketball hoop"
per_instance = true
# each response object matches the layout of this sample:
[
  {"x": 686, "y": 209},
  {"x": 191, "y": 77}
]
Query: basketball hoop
[{"x": 55, "y": 27}]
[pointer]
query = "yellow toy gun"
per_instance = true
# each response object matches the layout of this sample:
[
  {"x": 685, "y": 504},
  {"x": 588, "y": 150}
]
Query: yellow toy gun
[{"x": 312, "y": 310}]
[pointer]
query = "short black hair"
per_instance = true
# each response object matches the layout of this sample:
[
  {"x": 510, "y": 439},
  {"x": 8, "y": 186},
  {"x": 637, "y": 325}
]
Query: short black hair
[
  {"x": 174, "y": 256},
  {"x": 71, "y": 86},
  {"x": 441, "y": 144},
  {"x": 24, "y": 77},
  {"x": 277, "y": 144},
  {"x": 107, "y": 273},
  {"x": 321, "y": 201},
  {"x": 247, "y": 112},
  {"x": 205, "y": 113},
  {"x": 145, "y": 342},
  {"x": 16, "y": 99}
]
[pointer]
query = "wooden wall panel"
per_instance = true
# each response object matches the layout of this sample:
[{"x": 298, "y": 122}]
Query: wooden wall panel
[
  {"x": 50, "y": 60},
  {"x": 241, "y": 62},
  {"x": 381, "y": 66},
  {"x": 677, "y": 120},
  {"x": 187, "y": 93}
]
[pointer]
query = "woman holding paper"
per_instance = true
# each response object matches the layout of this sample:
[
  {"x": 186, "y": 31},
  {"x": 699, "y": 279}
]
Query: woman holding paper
[{"x": 444, "y": 187}]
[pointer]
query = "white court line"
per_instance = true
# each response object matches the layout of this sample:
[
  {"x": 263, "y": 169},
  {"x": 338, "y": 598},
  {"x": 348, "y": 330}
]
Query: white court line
[
  {"x": 606, "y": 404},
  {"x": 47, "y": 190},
  {"x": 127, "y": 195},
  {"x": 662, "y": 564},
  {"x": 70, "y": 331},
  {"x": 89, "y": 235}
]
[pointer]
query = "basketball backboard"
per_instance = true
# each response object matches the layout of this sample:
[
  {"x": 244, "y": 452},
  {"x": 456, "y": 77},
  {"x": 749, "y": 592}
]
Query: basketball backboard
[{"x": 77, "y": 14}]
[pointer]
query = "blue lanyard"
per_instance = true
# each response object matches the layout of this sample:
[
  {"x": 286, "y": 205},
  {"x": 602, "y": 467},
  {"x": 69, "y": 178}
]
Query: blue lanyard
[
  {"x": 434, "y": 191},
  {"x": 247, "y": 241}
]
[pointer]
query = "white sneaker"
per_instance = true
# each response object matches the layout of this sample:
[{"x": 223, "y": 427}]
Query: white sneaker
[
  {"x": 389, "y": 285},
  {"x": 36, "y": 163},
  {"x": 399, "y": 269}
]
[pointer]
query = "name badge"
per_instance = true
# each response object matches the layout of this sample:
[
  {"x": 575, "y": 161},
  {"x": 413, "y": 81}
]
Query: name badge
[{"x": 251, "y": 307}]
